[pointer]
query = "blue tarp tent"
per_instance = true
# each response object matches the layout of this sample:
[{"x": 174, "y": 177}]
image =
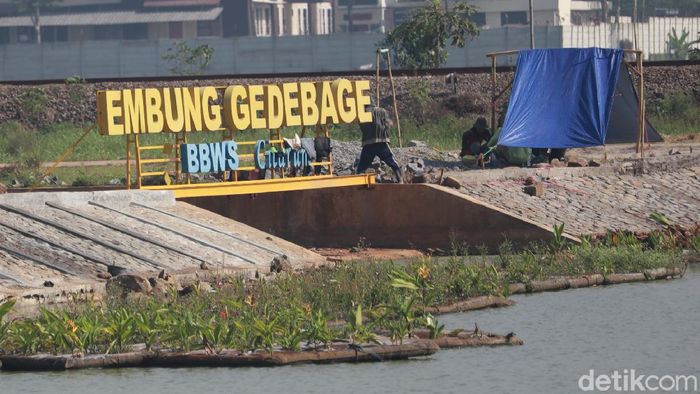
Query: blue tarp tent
[{"x": 561, "y": 98}]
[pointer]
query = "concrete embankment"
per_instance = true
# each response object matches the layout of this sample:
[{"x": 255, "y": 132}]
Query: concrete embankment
[
  {"x": 53, "y": 244},
  {"x": 388, "y": 216},
  {"x": 591, "y": 203}
]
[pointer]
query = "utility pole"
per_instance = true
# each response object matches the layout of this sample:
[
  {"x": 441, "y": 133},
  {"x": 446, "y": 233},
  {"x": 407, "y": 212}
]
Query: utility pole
[{"x": 532, "y": 27}]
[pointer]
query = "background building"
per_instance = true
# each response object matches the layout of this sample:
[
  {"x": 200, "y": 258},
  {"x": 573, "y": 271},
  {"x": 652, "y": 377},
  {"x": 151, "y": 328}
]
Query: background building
[
  {"x": 131, "y": 38},
  {"x": 383, "y": 15},
  {"x": 88, "y": 20}
]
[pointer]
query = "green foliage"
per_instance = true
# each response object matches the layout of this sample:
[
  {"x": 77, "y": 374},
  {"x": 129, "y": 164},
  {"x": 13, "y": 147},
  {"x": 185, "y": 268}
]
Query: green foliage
[
  {"x": 695, "y": 244},
  {"x": 33, "y": 101},
  {"x": 185, "y": 60},
  {"x": 678, "y": 45},
  {"x": 419, "y": 102},
  {"x": 356, "y": 329},
  {"x": 293, "y": 308},
  {"x": 76, "y": 89},
  {"x": 558, "y": 240},
  {"x": 5, "y": 308},
  {"x": 421, "y": 41},
  {"x": 317, "y": 330},
  {"x": 433, "y": 325},
  {"x": 676, "y": 113},
  {"x": 659, "y": 219},
  {"x": 120, "y": 330},
  {"x": 75, "y": 80}
]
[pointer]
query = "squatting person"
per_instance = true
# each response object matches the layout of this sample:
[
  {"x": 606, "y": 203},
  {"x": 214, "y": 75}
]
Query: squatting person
[
  {"x": 474, "y": 140},
  {"x": 375, "y": 142}
]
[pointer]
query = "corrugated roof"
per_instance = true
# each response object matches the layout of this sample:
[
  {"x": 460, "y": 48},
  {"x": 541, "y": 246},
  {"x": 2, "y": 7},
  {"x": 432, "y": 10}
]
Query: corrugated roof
[{"x": 114, "y": 18}]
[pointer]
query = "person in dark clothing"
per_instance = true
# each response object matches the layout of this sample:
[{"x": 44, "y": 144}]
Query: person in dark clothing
[
  {"x": 375, "y": 142},
  {"x": 474, "y": 140}
]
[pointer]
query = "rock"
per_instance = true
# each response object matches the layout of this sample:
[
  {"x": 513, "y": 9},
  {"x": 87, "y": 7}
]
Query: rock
[
  {"x": 452, "y": 182},
  {"x": 162, "y": 287},
  {"x": 48, "y": 283},
  {"x": 419, "y": 178},
  {"x": 416, "y": 143},
  {"x": 129, "y": 283},
  {"x": 280, "y": 263},
  {"x": 3, "y": 189},
  {"x": 196, "y": 288},
  {"x": 674, "y": 151},
  {"x": 577, "y": 163},
  {"x": 163, "y": 275},
  {"x": 116, "y": 270},
  {"x": 593, "y": 163},
  {"x": 535, "y": 190},
  {"x": 204, "y": 266},
  {"x": 557, "y": 163},
  {"x": 104, "y": 275},
  {"x": 530, "y": 180}
]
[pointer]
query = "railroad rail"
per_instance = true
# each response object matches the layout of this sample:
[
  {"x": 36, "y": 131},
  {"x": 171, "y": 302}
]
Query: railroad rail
[{"x": 320, "y": 74}]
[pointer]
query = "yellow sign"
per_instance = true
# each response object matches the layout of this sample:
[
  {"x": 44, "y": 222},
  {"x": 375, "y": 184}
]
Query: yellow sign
[{"x": 237, "y": 107}]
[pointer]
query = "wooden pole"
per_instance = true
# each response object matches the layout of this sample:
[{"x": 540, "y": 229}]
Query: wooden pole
[
  {"x": 634, "y": 23},
  {"x": 393, "y": 95},
  {"x": 376, "y": 80},
  {"x": 642, "y": 106},
  {"x": 511, "y": 52},
  {"x": 493, "y": 94},
  {"x": 532, "y": 25}
]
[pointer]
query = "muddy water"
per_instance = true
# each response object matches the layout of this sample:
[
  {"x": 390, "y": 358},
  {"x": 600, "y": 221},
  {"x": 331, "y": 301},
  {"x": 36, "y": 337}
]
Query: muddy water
[{"x": 650, "y": 327}]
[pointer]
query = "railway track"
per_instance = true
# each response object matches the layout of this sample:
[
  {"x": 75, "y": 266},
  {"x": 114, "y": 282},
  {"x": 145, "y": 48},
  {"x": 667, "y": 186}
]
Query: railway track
[{"x": 371, "y": 72}]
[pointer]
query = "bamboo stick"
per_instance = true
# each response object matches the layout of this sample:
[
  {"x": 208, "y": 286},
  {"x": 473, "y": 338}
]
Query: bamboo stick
[{"x": 393, "y": 95}]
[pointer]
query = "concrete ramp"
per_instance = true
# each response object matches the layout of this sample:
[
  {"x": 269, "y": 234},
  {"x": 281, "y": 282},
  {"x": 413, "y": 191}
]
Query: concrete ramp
[
  {"x": 51, "y": 242},
  {"x": 387, "y": 216}
]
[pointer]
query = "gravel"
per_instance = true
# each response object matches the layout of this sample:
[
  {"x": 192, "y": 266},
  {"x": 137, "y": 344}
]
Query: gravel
[{"x": 76, "y": 102}]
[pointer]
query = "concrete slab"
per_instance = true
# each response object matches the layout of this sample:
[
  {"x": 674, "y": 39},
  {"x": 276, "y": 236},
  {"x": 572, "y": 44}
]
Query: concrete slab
[{"x": 97, "y": 229}]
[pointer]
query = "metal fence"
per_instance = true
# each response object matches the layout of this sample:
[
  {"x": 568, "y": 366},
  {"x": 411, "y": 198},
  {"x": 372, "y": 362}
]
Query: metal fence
[
  {"x": 240, "y": 55},
  {"x": 652, "y": 37}
]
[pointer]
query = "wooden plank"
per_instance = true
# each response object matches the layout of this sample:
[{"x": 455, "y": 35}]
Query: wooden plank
[{"x": 80, "y": 234}]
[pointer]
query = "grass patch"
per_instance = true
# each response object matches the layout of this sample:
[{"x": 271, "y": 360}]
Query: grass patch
[
  {"x": 675, "y": 114},
  {"x": 444, "y": 133}
]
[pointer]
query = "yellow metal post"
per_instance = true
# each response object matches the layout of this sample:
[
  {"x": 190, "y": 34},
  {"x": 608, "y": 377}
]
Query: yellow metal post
[
  {"x": 138, "y": 160},
  {"x": 128, "y": 161}
]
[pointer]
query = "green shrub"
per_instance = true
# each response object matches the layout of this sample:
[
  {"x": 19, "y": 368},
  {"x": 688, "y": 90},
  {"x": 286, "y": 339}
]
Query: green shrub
[{"x": 33, "y": 102}]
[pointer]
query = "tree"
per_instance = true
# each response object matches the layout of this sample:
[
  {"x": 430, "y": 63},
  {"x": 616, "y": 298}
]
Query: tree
[
  {"x": 605, "y": 6},
  {"x": 421, "y": 41},
  {"x": 186, "y": 60},
  {"x": 34, "y": 8},
  {"x": 679, "y": 46}
]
